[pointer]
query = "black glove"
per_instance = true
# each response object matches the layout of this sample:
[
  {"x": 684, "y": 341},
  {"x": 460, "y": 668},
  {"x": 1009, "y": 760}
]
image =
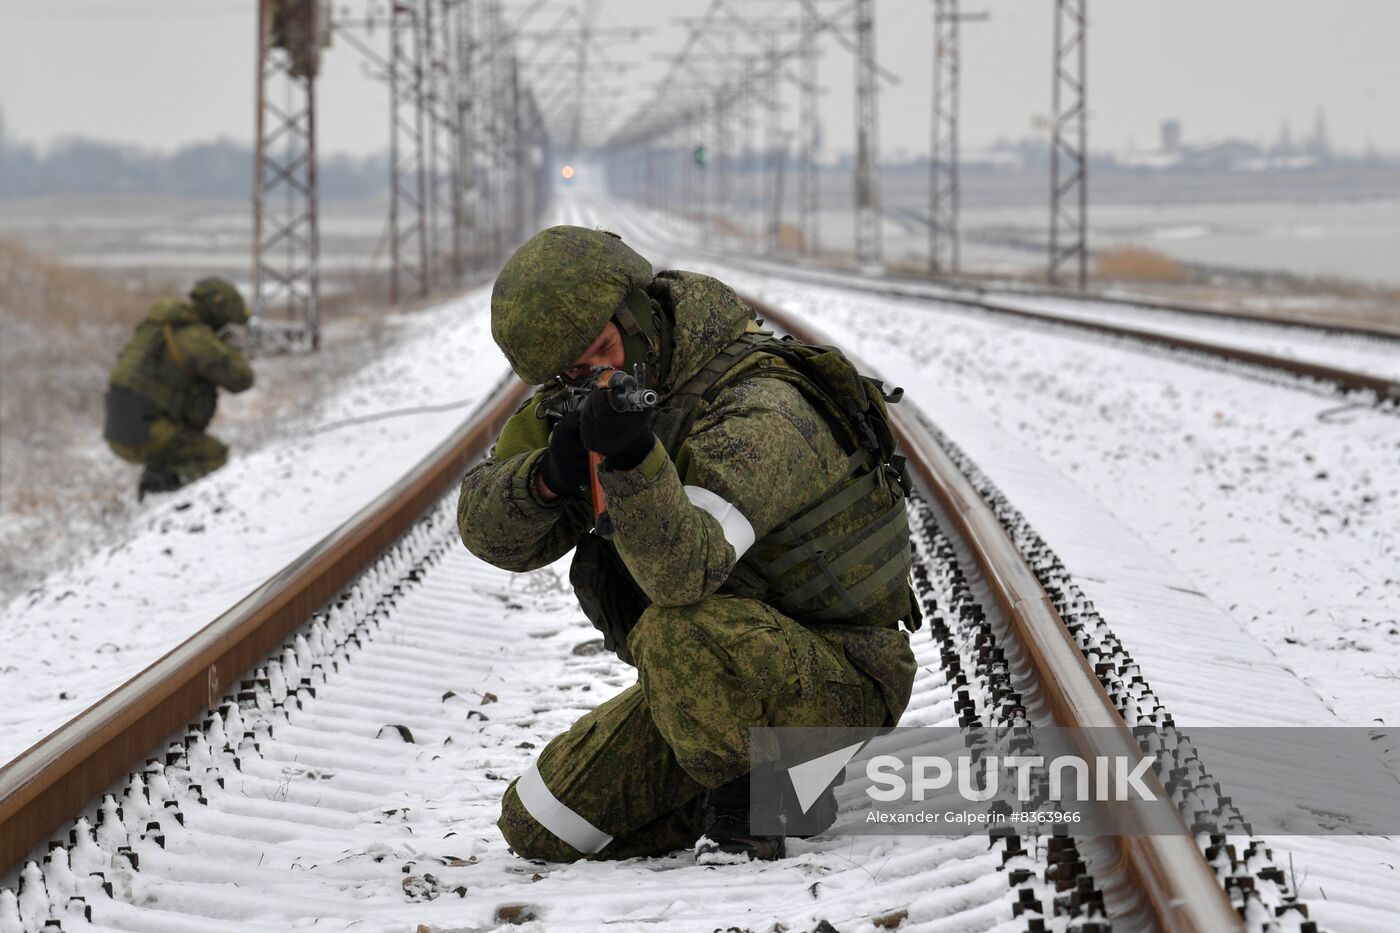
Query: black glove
[
  {"x": 564, "y": 466},
  {"x": 624, "y": 438}
]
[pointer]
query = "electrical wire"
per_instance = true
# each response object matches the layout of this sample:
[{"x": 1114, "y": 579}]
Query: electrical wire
[{"x": 392, "y": 413}]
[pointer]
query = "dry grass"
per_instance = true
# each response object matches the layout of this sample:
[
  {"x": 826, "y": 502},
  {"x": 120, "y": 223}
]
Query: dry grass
[
  {"x": 791, "y": 238},
  {"x": 73, "y": 304},
  {"x": 727, "y": 227},
  {"x": 1139, "y": 264},
  {"x": 62, "y": 326}
]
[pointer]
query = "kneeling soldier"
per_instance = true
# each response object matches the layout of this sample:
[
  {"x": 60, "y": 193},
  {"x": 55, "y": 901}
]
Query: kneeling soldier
[
  {"x": 753, "y": 565},
  {"x": 165, "y": 387}
]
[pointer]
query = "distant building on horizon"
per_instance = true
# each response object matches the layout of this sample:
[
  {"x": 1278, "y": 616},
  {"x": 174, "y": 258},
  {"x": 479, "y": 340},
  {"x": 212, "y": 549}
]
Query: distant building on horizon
[
  {"x": 1171, "y": 136},
  {"x": 1318, "y": 144}
]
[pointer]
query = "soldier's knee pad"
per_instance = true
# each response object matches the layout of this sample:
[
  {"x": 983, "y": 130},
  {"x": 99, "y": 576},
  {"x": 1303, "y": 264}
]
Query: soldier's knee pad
[{"x": 527, "y": 837}]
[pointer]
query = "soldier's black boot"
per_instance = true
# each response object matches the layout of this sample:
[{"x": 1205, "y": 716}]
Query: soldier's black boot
[
  {"x": 157, "y": 481},
  {"x": 820, "y": 815},
  {"x": 728, "y": 839}
]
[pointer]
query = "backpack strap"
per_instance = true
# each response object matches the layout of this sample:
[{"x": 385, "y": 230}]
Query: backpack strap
[
  {"x": 174, "y": 349},
  {"x": 675, "y": 418}
]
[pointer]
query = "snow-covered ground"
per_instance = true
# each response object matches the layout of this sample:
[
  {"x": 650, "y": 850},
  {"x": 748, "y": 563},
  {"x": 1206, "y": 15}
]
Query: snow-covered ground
[{"x": 188, "y": 557}]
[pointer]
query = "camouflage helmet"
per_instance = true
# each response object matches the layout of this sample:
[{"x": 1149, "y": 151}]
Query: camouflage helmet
[
  {"x": 555, "y": 294},
  {"x": 218, "y": 302}
]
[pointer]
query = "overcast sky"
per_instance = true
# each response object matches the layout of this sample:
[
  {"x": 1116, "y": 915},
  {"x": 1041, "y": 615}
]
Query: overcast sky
[{"x": 160, "y": 73}]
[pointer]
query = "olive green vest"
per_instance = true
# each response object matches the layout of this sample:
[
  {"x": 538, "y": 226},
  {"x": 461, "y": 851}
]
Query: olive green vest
[
  {"x": 150, "y": 365},
  {"x": 846, "y": 560}
]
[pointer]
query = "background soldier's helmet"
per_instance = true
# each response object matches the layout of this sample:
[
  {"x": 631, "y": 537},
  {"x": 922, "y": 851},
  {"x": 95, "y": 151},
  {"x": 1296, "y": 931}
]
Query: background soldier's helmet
[
  {"x": 555, "y": 294},
  {"x": 218, "y": 302}
]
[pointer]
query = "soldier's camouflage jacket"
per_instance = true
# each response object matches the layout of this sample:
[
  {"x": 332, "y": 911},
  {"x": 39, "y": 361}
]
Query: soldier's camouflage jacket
[
  {"x": 753, "y": 457},
  {"x": 180, "y": 373}
]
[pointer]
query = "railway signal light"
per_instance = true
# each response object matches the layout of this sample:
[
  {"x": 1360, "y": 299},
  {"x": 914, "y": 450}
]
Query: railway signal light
[{"x": 702, "y": 156}]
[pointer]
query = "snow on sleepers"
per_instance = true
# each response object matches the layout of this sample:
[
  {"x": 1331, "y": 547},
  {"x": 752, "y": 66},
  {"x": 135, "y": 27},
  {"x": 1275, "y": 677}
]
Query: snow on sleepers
[{"x": 304, "y": 800}]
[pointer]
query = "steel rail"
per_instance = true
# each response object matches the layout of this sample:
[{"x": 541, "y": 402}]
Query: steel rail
[
  {"x": 1348, "y": 379},
  {"x": 1169, "y": 871},
  {"x": 59, "y": 775},
  {"x": 1110, "y": 297}
]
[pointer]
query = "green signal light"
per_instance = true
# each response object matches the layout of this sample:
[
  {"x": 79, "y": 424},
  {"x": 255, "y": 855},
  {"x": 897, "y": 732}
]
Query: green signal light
[{"x": 701, "y": 155}]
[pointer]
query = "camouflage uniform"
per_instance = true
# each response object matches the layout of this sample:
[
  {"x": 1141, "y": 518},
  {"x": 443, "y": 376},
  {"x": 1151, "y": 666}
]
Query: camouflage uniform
[
  {"x": 714, "y": 656},
  {"x": 164, "y": 388}
]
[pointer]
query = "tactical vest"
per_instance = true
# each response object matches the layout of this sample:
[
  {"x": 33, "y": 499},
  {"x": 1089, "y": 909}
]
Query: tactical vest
[
  {"x": 151, "y": 366},
  {"x": 844, "y": 561}
]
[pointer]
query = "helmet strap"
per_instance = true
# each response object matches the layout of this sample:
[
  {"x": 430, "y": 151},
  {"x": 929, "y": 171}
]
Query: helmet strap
[{"x": 635, "y": 319}]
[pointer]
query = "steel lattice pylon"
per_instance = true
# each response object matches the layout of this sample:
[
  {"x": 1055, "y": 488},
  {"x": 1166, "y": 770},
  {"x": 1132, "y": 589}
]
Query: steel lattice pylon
[
  {"x": 1069, "y": 178},
  {"x": 497, "y": 154},
  {"x": 443, "y": 208},
  {"x": 867, "y": 181},
  {"x": 809, "y": 134},
  {"x": 516, "y": 154},
  {"x": 286, "y": 230},
  {"x": 774, "y": 149},
  {"x": 466, "y": 129},
  {"x": 943, "y": 166},
  {"x": 408, "y": 233}
]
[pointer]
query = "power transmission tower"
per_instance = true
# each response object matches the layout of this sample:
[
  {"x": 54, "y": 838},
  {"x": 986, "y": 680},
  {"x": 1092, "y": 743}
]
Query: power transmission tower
[
  {"x": 466, "y": 140},
  {"x": 498, "y": 138},
  {"x": 809, "y": 134},
  {"x": 408, "y": 234},
  {"x": 733, "y": 98},
  {"x": 517, "y": 154},
  {"x": 944, "y": 191},
  {"x": 286, "y": 228},
  {"x": 590, "y": 9},
  {"x": 444, "y": 215},
  {"x": 774, "y": 160},
  {"x": 867, "y": 181},
  {"x": 1069, "y": 171},
  {"x": 943, "y": 166},
  {"x": 464, "y": 177}
]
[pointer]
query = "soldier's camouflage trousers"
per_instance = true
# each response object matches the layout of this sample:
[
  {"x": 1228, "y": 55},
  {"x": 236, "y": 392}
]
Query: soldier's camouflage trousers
[
  {"x": 628, "y": 778},
  {"x": 172, "y": 446}
]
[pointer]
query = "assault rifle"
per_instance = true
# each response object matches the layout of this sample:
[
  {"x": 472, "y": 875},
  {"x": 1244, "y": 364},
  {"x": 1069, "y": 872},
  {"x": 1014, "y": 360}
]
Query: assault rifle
[{"x": 625, "y": 393}]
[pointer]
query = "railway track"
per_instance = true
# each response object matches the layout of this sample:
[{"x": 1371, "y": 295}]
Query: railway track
[
  {"x": 1116, "y": 298},
  {"x": 332, "y": 751},
  {"x": 1379, "y": 388}
]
